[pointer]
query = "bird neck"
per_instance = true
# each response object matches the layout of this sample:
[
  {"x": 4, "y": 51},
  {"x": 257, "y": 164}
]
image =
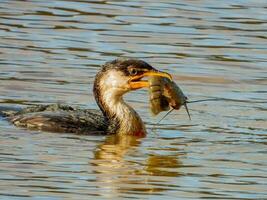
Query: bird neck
[
  {"x": 128, "y": 122},
  {"x": 122, "y": 118}
]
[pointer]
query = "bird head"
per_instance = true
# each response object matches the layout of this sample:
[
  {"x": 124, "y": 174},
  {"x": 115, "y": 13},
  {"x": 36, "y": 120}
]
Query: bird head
[{"x": 124, "y": 75}]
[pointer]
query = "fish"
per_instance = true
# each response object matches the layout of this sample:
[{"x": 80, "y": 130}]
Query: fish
[
  {"x": 165, "y": 94},
  {"x": 158, "y": 102}
]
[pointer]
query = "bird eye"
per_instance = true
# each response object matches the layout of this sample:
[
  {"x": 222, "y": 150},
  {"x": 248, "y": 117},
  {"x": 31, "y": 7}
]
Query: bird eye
[{"x": 133, "y": 71}]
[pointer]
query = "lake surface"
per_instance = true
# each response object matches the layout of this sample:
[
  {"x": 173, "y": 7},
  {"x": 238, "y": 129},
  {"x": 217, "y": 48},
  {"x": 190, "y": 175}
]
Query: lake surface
[{"x": 50, "y": 52}]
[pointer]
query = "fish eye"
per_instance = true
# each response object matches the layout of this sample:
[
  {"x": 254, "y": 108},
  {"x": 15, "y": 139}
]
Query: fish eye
[{"x": 133, "y": 71}]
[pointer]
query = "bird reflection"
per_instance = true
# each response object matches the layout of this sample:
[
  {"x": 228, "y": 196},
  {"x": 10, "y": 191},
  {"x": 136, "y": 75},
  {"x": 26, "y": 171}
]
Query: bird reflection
[
  {"x": 120, "y": 167},
  {"x": 111, "y": 152}
]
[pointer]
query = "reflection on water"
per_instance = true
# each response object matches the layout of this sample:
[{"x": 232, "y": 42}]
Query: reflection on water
[
  {"x": 114, "y": 172},
  {"x": 50, "y": 52}
]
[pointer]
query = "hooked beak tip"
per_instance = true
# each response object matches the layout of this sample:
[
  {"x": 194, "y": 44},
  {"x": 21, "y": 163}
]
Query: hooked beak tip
[{"x": 158, "y": 73}]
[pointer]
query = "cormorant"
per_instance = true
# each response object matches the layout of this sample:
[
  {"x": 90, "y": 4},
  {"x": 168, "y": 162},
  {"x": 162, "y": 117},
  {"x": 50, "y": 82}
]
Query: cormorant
[{"x": 115, "y": 116}]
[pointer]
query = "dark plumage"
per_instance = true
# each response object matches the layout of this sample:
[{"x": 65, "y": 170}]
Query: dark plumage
[{"x": 60, "y": 118}]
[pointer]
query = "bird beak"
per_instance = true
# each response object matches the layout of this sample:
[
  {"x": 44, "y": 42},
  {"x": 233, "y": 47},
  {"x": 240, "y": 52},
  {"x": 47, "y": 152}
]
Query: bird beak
[{"x": 136, "y": 83}]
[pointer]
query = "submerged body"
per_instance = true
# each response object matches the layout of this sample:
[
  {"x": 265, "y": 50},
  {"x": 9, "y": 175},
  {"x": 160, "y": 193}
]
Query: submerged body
[
  {"x": 114, "y": 117},
  {"x": 59, "y": 118}
]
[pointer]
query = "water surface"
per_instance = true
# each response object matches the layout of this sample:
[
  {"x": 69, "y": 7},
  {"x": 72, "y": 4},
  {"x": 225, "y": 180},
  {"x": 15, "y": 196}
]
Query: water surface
[{"x": 50, "y": 52}]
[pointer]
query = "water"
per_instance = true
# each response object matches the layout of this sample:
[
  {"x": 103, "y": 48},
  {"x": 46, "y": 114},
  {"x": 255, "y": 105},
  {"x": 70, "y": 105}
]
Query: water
[{"x": 50, "y": 52}]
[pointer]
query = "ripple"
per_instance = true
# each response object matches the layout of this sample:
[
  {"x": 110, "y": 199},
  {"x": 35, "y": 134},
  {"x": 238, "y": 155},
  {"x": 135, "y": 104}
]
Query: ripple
[{"x": 50, "y": 52}]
